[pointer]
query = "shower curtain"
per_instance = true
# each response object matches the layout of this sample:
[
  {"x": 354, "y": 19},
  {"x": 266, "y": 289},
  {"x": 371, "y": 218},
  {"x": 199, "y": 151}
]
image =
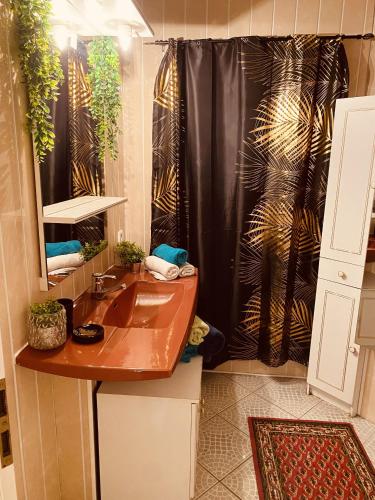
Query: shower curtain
[
  {"x": 241, "y": 142},
  {"x": 73, "y": 169}
]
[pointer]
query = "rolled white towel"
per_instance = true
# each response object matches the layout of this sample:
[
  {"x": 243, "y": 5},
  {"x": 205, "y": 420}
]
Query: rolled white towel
[
  {"x": 187, "y": 270},
  {"x": 69, "y": 260},
  {"x": 161, "y": 269},
  {"x": 62, "y": 270}
]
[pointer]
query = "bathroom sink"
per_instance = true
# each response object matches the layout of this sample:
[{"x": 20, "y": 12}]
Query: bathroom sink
[
  {"x": 146, "y": 326},
  {"x": 145, "y": 305}
]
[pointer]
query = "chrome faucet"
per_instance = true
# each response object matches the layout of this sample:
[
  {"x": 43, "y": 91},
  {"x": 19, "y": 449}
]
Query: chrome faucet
[{"x": 98, "y": 289}]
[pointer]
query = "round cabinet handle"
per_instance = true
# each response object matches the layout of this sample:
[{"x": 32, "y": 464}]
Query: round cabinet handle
[
  {"x": 352, "y": 349},
  {"x": 341, "y": 274}
]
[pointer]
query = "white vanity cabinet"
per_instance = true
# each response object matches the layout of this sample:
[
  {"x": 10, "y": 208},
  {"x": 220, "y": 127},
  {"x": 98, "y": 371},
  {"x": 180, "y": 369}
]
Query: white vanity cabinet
[
  {"x": 345, "y": 298},
  {"x": 148, "y": 434}
]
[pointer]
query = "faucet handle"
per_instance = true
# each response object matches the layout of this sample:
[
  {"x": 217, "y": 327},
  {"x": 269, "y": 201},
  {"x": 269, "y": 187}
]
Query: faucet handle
[{"x": 103, "y": 276}]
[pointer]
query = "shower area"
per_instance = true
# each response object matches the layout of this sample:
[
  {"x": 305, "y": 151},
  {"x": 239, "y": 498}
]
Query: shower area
[
  {"x": 242, "y": 134},
  {"x": 236, "y": 306}
]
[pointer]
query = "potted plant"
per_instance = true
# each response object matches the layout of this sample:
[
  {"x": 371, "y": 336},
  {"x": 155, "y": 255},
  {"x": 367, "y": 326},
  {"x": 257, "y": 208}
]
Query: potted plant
[
  {"x": 47, "y": 325},
  {"x": 131, "y": 255}
]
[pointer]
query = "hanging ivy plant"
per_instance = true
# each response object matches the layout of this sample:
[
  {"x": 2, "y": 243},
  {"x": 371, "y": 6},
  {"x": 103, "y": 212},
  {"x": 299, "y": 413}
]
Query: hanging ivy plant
[
  {"x": 105, "y": 105},
  {"x": 40, "y": 64}
]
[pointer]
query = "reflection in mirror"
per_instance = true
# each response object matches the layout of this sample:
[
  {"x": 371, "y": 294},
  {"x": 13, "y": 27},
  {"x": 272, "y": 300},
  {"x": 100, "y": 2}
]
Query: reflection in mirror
[{"x": 73, "y": 168}]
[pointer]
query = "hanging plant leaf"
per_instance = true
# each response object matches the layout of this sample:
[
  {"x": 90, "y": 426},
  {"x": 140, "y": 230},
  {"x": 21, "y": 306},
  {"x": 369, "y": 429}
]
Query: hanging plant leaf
[
  {"x": 105, "y": 105},
  {"x": 41, "y": 68}
]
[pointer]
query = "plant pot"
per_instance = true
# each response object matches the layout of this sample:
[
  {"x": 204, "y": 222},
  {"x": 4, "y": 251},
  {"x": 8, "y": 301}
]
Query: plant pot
[
  {"x": 135, "y": 267},
  {"x": 47, "y": 331}
]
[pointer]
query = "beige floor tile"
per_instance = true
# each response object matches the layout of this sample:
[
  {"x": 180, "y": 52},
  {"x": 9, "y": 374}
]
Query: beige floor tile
[
  {"x": 224, "y": 444},
  {"x": 222, "y": 447},
  {"x": 249, "y": 382},
  {"x": 242, "y": 481},
  {"x": 370, "y": 448},
  {"x": 289, "y": 394},
  {"x": 326, "y": 411},
  {"x": 204, "y": 481},
  {"x": 219, "y": 392},
  {"x": 218, "y": 492},
  {"x": 252, "y": 406}
]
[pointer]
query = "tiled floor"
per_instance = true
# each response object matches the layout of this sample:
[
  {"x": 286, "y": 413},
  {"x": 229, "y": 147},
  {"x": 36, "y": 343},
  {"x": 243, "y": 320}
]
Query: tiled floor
[{"x": 225, "y": 467}]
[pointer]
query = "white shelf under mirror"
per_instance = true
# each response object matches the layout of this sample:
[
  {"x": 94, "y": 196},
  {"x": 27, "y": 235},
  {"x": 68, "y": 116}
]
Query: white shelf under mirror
[{"x": 78, "y": 209}]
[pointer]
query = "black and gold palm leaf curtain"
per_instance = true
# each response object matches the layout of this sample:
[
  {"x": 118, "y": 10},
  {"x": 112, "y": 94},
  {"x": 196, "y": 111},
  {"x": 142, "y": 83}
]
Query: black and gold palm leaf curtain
[
  {"x": 242, "y": 137},
  {"x": 167, "y": 126},
  {"x": 73, "y": 169},
  {"x": 86, "y": 170}
]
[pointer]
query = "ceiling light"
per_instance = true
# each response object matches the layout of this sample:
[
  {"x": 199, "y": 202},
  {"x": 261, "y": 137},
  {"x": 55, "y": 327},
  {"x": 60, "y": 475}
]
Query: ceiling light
[
  {"x": 61, "y": 35},
  {"x": 124, "y": 36}
]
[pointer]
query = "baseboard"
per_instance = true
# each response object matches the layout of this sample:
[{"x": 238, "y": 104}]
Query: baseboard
[{"x": 255, "y": 374}]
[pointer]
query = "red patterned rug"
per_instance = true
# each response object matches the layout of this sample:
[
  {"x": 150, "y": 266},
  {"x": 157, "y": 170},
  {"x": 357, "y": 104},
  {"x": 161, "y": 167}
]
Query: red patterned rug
[{"x": 303, "y": 459}]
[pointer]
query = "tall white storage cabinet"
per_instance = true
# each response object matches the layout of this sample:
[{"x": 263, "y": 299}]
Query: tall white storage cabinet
[
  {"x": 345, "y": 299},
  {"x": 148, "y": 433}
]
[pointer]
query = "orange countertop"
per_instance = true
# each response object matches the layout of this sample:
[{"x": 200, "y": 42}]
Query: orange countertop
[{"x": 125, "y": 353}]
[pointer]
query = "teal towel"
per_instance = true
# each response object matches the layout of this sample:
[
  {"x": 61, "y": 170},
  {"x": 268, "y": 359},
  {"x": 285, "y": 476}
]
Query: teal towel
[
  {"x": 189, "y": 352},
  {"x": 176, "y": 256},
  {"x": 62, "y": 248}
]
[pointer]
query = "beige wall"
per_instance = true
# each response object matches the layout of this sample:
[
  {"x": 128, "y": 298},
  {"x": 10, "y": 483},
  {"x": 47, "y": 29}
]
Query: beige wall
[
  {"x": 49, "y": 415},
  {"x": 50, "y": 421},
  {"x": 221, "y": 19}
]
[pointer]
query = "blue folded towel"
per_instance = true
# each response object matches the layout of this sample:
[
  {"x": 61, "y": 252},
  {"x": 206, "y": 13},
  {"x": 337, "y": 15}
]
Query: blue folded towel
[
  {"x": 176, "y": 256},
  {"x": 189, "y": 352},
  {"x": 63, "y": 248}
]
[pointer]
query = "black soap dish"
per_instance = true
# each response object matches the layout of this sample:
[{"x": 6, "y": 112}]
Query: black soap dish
[{"x": 88, "y": 334}]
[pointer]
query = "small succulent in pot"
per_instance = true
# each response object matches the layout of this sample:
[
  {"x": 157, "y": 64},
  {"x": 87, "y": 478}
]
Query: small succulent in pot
[
  {"x": 131, "y": 255},
  {"x": 47, "y": 325}
]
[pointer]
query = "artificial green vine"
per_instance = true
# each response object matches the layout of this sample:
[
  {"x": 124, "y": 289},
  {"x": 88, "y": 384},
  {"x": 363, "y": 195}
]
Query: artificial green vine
[
  {"x": 89, "y": 250},
  {"x": 105, "y": 105},
  {"x": 40, "y": 64}
]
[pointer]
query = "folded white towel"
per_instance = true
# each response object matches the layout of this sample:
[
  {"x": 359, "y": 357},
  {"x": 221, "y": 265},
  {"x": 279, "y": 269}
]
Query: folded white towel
[
  {"x": 62, "y": 270},
  {"x": 187, "y": 270},
  {"x": 161, "y": 269},
  {"x": 69, "y": 260}
]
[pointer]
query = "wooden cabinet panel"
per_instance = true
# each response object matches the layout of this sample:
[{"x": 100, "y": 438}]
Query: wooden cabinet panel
[
  {"x": 350, "y": 190},
  {"x": 334, "y": 354},
  {"x": 366, "y": 323}
]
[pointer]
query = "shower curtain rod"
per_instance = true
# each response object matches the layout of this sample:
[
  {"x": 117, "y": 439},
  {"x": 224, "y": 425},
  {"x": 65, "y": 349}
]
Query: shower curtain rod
[{"x": 366, "y": 36}]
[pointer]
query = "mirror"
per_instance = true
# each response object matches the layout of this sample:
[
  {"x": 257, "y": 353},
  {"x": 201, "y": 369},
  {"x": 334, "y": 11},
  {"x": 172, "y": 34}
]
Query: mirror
[
  {"x": 72, "y": 169},
  {"x": 70, "y": 180}
]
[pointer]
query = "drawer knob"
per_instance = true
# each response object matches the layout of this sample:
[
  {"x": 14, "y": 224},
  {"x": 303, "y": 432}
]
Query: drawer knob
[
  {"x": 341, "y": 274},
  {"x": 352, "y": 349}
]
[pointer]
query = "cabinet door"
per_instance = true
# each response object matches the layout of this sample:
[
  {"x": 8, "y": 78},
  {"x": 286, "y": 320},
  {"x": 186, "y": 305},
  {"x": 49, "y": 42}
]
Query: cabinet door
[
  {"x": 334, "y": 353},
  {"x": 350, "y": 190},
  {"x": 366, "y": 322}
]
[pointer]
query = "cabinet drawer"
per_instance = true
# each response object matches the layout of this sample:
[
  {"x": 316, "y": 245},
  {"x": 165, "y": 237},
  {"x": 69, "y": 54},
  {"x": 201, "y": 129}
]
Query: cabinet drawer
[{"x": 341, "y": 272}]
